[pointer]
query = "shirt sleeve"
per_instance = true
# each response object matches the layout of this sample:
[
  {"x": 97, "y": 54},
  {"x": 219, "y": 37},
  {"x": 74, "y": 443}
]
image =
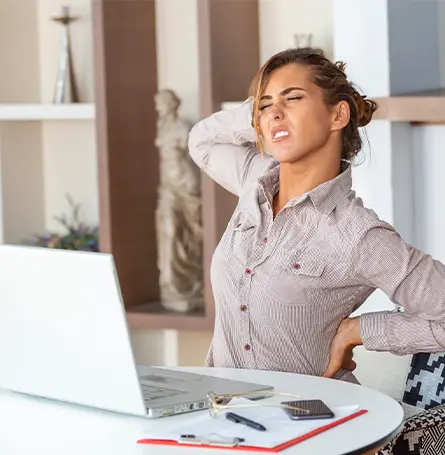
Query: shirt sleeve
[
  {"x": 223, "y": 146},
  {"x": 209, "y": 359},
  {"x": 411, "y": 279}
]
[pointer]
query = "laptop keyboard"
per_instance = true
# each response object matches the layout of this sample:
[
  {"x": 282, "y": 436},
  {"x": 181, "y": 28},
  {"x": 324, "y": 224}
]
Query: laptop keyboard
[{"x": 152, "y": 392}]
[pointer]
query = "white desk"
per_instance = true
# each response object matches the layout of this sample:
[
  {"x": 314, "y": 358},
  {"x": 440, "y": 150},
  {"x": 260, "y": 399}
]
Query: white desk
[{"x": 30, "y": 425}]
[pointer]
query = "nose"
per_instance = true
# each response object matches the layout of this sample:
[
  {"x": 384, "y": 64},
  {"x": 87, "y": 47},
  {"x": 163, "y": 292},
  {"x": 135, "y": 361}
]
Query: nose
[{"x": 275, "y": 113}]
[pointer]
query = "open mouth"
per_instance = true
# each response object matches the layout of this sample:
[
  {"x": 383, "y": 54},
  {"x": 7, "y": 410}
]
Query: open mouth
[{"x": 279, "y": 135}]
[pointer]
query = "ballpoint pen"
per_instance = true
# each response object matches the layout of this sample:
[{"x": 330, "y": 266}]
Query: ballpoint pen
[
  {"x": 216, "y": 441},
  {"x": 240, "y": 419}
]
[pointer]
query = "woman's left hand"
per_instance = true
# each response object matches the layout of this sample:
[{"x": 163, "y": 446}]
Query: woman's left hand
[{"x": 345, "y": 340}]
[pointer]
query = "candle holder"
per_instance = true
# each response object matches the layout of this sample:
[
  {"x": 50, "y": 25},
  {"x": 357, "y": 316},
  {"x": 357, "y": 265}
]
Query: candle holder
[{"x": 66, "y": 88}]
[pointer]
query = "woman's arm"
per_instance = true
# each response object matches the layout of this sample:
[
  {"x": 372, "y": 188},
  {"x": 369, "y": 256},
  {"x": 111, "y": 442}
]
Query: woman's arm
[
  {"x": 209, "y": 358},
  {"x": 411, "y": 279},
  {"x": 223, "y": 146}
]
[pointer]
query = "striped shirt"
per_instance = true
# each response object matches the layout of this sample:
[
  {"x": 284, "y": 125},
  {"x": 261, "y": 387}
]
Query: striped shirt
[{"x": 282, "y": 286}]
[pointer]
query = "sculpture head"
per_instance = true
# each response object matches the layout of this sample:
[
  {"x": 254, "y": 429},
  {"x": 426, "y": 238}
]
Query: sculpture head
[{"x": 166, "y": 102}]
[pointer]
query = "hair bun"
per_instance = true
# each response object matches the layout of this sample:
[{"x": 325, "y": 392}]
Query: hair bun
[{"x": 366, "y": 109}]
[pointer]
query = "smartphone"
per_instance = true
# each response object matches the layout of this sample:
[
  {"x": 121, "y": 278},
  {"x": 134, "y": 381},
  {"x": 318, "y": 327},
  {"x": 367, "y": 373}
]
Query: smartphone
[{"x": 317, "y": 410}]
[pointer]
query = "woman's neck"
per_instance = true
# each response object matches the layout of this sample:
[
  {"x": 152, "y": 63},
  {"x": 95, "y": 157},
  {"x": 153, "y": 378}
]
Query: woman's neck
[{"x": 301, "y": 177}]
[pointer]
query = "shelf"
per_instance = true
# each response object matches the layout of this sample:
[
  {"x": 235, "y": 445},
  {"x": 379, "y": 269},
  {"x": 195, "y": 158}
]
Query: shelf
[
  {"x": 154, "y": 316},
  {"x": 422, "y": 107},
  {"x": 416, "y": 108},
  {"x": 42, "y": 112}
]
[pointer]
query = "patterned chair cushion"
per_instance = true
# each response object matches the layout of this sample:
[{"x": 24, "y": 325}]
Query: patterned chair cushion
[
  {"x": 422, "y": 434},
  {"x": 425, "y": 384}
]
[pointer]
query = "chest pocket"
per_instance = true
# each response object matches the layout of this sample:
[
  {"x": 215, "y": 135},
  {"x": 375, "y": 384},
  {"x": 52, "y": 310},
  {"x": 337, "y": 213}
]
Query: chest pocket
[
  {"x": 296, "y": 278},
  {"x": 238, "y": 237}
]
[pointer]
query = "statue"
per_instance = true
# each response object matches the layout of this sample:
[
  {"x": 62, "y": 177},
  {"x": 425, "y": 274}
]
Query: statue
[{"x": 178, "y": 213}]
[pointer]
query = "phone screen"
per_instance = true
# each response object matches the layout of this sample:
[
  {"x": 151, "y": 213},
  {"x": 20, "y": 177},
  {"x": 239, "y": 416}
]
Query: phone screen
[{"x": 317, "y": 410}]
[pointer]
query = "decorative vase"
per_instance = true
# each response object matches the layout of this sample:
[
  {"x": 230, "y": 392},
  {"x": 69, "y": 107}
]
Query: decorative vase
[{"x": 303, "y": 40}]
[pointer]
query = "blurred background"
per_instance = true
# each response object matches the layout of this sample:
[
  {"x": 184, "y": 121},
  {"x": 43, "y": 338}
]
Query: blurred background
[{"x": 87, "y": 166}]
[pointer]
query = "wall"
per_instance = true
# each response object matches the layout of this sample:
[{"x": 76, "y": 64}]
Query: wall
[
  {"x": 423, "y": 71},
  {"x": 70, "y": 168},
  {"x": 177, "y": 51},
  {"x": 281, "y": 19},
  {"x": 429, "y": 188},
  {"x": 20, "y": 83}
]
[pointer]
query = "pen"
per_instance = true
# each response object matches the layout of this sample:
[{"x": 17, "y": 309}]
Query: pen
[
  {"x": 240, "y": 419},
  {"x": 196, "y": 440}
]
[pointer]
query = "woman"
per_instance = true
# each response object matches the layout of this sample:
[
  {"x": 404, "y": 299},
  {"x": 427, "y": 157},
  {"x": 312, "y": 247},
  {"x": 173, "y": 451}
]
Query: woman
[{"x": 301, "y": 253}]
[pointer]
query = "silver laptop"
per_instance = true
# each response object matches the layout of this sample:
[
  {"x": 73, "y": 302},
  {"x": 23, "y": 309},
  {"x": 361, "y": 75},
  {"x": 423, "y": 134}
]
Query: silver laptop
[{"x": 64, "y": 336}]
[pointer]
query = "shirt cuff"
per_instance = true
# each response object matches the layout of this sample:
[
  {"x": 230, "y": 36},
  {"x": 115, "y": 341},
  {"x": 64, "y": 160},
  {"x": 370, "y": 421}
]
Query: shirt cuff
[
  {"x": 242, "y": 122},
  {"x": 373, "y": 328}
]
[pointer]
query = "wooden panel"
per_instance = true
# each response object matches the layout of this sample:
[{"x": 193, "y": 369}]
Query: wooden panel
[
  {"x": 125, "y": 83},
  {"x": 228, "y": 58},
  {"x": 428, "y": 107},
  {"x": 234, "y": 38}
]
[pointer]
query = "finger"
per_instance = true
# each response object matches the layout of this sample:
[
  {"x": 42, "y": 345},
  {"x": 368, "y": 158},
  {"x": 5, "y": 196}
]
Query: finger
[{"x": 332, "y": 369}]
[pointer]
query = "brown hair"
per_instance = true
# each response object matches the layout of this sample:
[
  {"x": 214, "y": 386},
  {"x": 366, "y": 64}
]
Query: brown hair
[{"x": 331, "y": 78}]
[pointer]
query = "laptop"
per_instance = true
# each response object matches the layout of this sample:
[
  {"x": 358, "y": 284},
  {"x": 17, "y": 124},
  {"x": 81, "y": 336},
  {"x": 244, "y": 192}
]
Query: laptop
[{"x": 64, "y": 336}]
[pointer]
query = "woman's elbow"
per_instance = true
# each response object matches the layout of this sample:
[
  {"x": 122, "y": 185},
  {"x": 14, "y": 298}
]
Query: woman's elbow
[{"x": 196, "y": 146}]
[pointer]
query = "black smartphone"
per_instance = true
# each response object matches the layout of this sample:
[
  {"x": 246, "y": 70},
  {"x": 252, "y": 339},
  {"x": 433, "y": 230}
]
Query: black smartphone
[{"x": 317, "y": 409}]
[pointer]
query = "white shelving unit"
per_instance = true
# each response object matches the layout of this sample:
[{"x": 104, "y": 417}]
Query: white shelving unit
[
  {"x": 47, "y": 151},
  {"x": 13, "y": 112}
]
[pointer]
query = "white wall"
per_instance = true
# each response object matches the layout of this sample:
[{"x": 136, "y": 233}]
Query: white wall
[
  {"x": 22, "y": 181},
  {"x": 70, "y": 167},
  {"x": 281, "y": 19},
  {"x": 19, "y": 75},
  {"x": 363, "y": 44},
  {"x": 177, "y": 52},
  {"x": 429, "y": 188}
]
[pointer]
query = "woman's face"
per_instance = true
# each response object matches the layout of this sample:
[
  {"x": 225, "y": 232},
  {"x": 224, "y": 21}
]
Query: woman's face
[{"x": 294, "y": 119}]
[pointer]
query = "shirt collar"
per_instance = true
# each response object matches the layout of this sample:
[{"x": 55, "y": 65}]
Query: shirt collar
[{"x": 325, "y": 197}]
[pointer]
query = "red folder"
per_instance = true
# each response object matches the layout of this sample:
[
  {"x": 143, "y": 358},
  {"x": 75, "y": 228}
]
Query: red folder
[{"x": 275, "y": 449}]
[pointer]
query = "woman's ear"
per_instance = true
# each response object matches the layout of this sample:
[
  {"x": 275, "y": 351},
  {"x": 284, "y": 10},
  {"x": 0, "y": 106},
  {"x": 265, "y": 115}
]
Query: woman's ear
[{"x": 342, "y": 115}]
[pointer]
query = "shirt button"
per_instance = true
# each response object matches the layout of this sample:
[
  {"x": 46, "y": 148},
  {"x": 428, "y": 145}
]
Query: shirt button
[
  {"x": 238, "y": 225},
  {"x": 296, "y": 266},
  {"x": 243, "y": 307},
  {"x": 247, "y": 347},
  {"x": 248, "y": 272},
  {"x": 265, "y": 240}
]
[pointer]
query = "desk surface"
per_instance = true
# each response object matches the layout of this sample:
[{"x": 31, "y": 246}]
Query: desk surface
[{"x": 31, "y": 425}]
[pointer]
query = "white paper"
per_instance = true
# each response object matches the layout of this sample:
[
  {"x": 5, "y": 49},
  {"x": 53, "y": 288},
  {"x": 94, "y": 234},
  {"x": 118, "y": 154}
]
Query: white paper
[{"x": 280, "y": 428}]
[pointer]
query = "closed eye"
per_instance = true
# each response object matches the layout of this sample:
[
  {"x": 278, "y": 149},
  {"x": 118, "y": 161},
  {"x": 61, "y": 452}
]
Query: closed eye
[
  {"x": 289, "y": 98},
  {"x": 264, "y": 107}
]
